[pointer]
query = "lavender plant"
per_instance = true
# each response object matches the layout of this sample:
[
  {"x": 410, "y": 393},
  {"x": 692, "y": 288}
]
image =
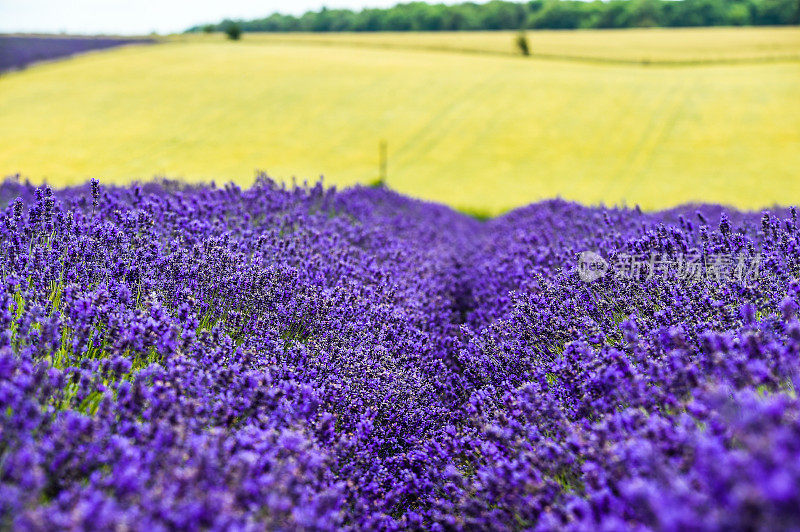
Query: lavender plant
[
  {"x": 19, "y": 51},
  {"x": 197, "y": 357}
]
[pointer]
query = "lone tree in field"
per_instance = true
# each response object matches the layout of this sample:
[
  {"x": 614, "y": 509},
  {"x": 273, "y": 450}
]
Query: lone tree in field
[
  {"x": 233, "y": 31},
  {"x": 522, "y": 43}
]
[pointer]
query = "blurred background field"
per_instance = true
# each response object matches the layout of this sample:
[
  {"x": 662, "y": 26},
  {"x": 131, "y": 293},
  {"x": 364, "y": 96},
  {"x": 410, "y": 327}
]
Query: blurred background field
[
  {"x": 656, "y": 117},
  {"x": 646, "y": 45},
  {"x": 19, "y": 51}
]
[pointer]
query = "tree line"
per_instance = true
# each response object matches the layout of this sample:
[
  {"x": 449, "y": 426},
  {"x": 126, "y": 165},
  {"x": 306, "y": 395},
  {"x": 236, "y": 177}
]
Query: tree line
[{"x": 536, "y": 14}]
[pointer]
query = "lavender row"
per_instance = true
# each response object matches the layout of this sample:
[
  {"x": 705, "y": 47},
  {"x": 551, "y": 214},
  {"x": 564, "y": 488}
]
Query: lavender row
[
  {"x": 195, "y": 357},
  {"x": 19, "y": 51}
]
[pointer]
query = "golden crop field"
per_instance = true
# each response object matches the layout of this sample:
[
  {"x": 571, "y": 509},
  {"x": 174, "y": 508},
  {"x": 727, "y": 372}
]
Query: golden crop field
[
  {"x": 483, "y": 132},
  {"x": 651, "y": 45}
]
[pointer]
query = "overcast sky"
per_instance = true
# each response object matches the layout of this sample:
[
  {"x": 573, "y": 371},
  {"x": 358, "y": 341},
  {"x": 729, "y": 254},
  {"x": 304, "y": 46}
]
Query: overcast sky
[{"x": 143, "y": 16}]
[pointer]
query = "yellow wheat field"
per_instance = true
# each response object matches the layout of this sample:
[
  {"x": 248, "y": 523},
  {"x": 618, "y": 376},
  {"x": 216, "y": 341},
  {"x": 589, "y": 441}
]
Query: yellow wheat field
[
  {"x": 649, "y": 46},
  {"x": 481, "y": 132}
]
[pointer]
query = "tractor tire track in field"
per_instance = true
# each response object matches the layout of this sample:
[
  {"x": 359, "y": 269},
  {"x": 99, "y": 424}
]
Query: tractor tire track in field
[
  {"x": 661, "y": 122},
  {"x": 549, "y": 56},
  {"x": 437, "y": 124},
  {"x": 665, "y": 127}
]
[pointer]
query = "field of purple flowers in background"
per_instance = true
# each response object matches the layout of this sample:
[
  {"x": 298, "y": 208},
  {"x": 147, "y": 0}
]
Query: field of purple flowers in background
[
  {"x": 19, "y": 51},
  {"x": 191, "y": 357}
]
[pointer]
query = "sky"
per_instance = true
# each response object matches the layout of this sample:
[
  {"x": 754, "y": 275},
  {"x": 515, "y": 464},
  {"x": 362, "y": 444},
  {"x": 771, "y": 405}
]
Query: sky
[{"x": 136, "y": 17}]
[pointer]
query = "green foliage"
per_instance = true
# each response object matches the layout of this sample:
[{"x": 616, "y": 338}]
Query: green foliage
[
  {"x": 232, "y": 30},
  {"x": 536, "y": 14},
  {"x": 522, "y": 43},
  {"x": 739, "y": 14},
  {"x": 481, "y": 215}
]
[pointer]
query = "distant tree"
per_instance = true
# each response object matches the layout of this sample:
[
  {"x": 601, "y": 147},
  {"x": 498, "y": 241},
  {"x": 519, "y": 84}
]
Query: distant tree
[
  {"x": 559, "y": 15},
  {"x": 645, "y": 13},
  {"x": 739, "y": 14},
  {"x": 613, "y": 14},
  {"x": 698, "y": 13},
  {"x": 233, "y": 30},
  {"x": 538, "y": 14},
  {"x": 209, "y": 28},
  {"x": 522, "y": 43},
  {"x": 368, "y": 20},
  {"x": 773, "y": 12},
  {"x": 397, "y": 20}
]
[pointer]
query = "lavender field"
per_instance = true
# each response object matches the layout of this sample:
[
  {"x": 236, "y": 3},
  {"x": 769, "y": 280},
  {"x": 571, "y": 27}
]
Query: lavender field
[
  {"x": 192, "y": 357},
  {"x": 19, "y": 51}
]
